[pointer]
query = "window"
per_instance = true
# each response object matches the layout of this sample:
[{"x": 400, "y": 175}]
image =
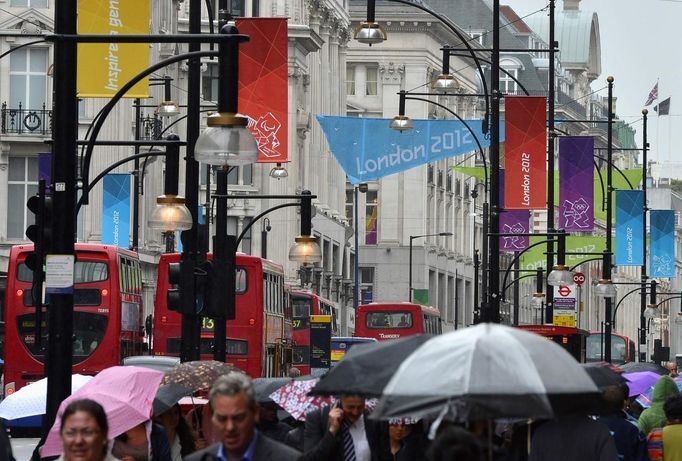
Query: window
[
  {"x": 22, "y": 183},
  {"x": 209, "y": 82},
  {"x": 28, "y": 3},
  {"x": 246, "y": 241},
  {"x": 28, "y": 78},
  {"x": 385, "y": 319},
  {"x": 349, "y": 206},
  {"x": 507, "y": 83},
  {"x": 371, "y": 217},
  {"x": 350, "y": 81},
  {"x": 372, "y": 81},
  {"x": 236, "y": 8},
  {"x": 477, "y": 37}
]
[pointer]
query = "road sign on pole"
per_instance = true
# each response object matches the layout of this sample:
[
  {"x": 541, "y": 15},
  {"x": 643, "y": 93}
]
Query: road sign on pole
[
  {"x": 579, "y": 278},
  {"x": 565, "y": 297}
]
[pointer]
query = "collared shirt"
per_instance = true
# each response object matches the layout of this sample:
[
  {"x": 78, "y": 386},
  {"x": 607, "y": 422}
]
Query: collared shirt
[
  {"x": 360, "y": 443},
  {"x": 248, "y": 454}
]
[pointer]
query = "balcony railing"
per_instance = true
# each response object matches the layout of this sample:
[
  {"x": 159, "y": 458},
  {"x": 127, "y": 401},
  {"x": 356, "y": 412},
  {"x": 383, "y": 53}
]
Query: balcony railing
[
  {"x": 29, "y": 122},
  {"x": 150, "y": 127}
]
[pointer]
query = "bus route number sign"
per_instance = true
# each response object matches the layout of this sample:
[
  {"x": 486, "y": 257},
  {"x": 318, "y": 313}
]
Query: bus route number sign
[{"x": 579, "y": 278}]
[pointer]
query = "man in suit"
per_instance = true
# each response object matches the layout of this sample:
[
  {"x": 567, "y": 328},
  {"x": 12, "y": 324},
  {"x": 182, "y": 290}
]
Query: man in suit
[
  {"x": 342, "y": 433},
  {"x": 235, "y": 414}
]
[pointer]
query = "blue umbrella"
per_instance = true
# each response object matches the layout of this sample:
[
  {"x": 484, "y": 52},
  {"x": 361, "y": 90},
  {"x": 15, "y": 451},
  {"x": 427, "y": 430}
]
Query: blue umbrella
[{"x": 645, "y": 398}]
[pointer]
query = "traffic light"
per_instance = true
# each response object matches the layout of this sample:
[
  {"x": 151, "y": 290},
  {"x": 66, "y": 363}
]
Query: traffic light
[
  {"x": 180, "y": 276},
  {"x": 173, "y": 294},
  {"x": 41, "y": 236},
  {"x": 203, "y": 277},
  {"x": 219, "y": 297}
]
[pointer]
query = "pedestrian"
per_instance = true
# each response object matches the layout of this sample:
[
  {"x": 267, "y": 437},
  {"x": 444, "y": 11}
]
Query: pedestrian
[
  {"x": 631, "y": 443},
  {"x": 294, "y": 372},
  {"x": 404, "y": 440},
  {"x": 654, "y": 416},
  {"x": 178, "y": 432},
  {"x": 572, "y": 438},
  {"x": 269, "y": 424},
  {"x": 342, "y": 433},
  {"x": 454, "y": 443},
  {"x": 672, "y": 369},
  {"x": 665, "y": 444},
  {"x": 83, "y": 430},
  {"x": 235, "y": 412},
  {"x": 144, "y": 442}
]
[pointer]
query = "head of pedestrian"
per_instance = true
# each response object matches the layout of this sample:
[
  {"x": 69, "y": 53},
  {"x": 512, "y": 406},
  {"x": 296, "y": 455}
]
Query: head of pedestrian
[
  {"x": 673, "y": 409},
  {"x": 235, "y": 412},
  {"x": 672, "y": 369},
  {"x": 453, "y": 442},
  {"x": 83, "y": 430},
  {"x": 616, "y": 398},
  {"x": 353, "y": 407}
]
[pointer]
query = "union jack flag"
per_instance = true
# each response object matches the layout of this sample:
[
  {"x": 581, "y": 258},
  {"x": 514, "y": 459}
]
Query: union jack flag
[{"x": 653, "y": 95}]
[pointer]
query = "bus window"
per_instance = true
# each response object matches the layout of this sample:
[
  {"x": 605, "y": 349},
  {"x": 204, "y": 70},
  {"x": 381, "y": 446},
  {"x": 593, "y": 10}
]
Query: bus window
[
  {"x": 388, "y": 320},
  {"x": 83, "y": 272},
  {"x": 241, "y": 281},
  {"x": 301, "y": 306}
]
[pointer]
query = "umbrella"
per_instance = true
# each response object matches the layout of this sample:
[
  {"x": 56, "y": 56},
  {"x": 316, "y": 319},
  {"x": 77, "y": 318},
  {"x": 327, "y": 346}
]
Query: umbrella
[
  {"x": 640, "y": 381},
  {"x": 168, "y": 395},
  {"x": 645, "y": 397},
  {"x": 294, "y": 399},
  {"x": 266, "y": 386},
  {"x": 198, "y": 375},
  {"x": 361, "y": 362},
  {"x": 126, "y": 393},
  {"x": 485, "y": 372},
  {"x": 30, "y": 400},
  {"x": 644, "y": 366},
  {"x": 603, "y": 374}
]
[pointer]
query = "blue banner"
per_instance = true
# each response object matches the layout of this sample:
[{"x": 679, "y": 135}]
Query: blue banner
[
  {"x": 629, "y": 228},
  {"x": 662, "y": 250},
  {"x": 116, "y": 210},
  {"x": 367, "y": 149}
]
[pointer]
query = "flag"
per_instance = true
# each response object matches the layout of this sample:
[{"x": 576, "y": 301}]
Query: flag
[
  {"x": 653, "y": 95},
  {"x": 663, "y": 107}
]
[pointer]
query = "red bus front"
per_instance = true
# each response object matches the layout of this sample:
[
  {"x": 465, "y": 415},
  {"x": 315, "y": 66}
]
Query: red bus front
[
  {"x": 259, "y": 339},
  {"x": 622, "y": 348},
  {"x": 395, "y": 320},
  {"x": 107, "y": 318},
  {"x": 303, "y": 305}
]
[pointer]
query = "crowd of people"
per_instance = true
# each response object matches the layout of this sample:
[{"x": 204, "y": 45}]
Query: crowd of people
[{"x": 235, "y": 425}]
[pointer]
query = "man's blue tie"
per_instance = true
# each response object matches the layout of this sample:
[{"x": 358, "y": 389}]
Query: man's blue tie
[{"x": 348, "y": 447}]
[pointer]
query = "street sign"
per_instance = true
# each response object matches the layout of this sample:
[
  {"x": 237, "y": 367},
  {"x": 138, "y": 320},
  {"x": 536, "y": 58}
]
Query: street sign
[
  {"x": 579, "y": 278},
  {"x": 565, "y": 297}
]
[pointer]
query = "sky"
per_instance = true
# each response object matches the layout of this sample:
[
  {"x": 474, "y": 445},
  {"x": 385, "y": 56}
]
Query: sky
[{"x": 640, "y": 44}]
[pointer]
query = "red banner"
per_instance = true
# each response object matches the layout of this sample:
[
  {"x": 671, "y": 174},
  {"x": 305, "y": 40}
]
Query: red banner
[
  {"x": 525, "y": 152},
  {"x": 263, "y": 85}
]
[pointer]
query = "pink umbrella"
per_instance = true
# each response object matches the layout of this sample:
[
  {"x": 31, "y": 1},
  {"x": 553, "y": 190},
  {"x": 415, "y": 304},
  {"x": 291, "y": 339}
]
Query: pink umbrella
[{"x": 126, "y": 393}]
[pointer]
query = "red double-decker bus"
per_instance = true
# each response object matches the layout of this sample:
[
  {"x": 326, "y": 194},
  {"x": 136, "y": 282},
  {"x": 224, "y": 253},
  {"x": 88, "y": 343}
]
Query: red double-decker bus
[
  {"x": 622, "y": 348},
  {"x": 395, "y": 320},
  {"x": 303, "y": 305},
  {"x": 572, "y": 339},
  {"x": 107, "y": 317},
  {"x": 259, "y": 340}
]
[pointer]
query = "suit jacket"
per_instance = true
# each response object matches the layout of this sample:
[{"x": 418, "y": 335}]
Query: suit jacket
[
  {"x": 321, "y": 445},
  {"x": 266, "y": 450}
]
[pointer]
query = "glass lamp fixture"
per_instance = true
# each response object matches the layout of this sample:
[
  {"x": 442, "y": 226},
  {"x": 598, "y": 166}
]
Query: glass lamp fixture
[
  {"x": 445, "y": 82},
  {"x": 305, "y": 250},
  {"x": 605, "y": 289},
  {"x": 226, "y": 141},
  {"x": 560, "y": 275},
  {"x": 537, "y": 300},
  {"x": 401, "y": 123},
  {"x": 370, "y": 33},
  {"x": 279, "y": 172},
  {"x": 168, "y": 109},
  {"x": 170, "y": 214},
  {"x": 652, "y": 312}
]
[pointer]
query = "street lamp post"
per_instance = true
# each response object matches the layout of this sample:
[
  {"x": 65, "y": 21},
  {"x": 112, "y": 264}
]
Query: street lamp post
[
  {"x": 412, "y": 238},
  {"x": 362, "y": 187},
  {"x": 606, "y": 269},
  {"x": 642, "y": 319}
]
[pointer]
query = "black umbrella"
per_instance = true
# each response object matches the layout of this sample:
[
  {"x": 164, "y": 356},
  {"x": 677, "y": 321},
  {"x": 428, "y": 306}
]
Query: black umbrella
[
  {"x": 603, "y": 374},
  {"x": 366, "y": 368},
  {"x": 168, "y": 395},
  {"x": 634, "y": 367},
  {"x": 266, "y": 386}
]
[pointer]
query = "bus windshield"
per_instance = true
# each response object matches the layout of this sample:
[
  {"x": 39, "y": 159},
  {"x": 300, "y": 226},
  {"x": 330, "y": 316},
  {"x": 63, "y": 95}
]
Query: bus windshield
[
  {"x": 83, "y": 272},
  {"x": 301, "y": 306},
  {"x": 388, "y": 319},
  {"x": 595, "y": 349}
]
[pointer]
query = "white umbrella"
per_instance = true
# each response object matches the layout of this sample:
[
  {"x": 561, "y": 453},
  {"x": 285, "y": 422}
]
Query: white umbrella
[
  {"x": 31, "y": 399},
  {"x": 485, "y": 372}
]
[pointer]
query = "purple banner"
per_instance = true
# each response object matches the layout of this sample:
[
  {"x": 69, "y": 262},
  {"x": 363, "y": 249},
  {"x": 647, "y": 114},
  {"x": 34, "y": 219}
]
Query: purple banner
[
  {"x": 513, "y": 222},
  {"x": 576, "y": 184}
]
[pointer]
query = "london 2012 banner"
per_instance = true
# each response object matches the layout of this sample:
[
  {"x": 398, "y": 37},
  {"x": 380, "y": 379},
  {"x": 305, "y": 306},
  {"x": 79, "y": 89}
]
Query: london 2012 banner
[
  {"x": 264, "y": 85},
  {"x": 629, "y": 228},
  {"x": 116, "y": 210},
  {"x": 513, "y": 222},
  {"x": 576, "y": 183},
  {"x": 525, "y": 152},
  {"x": 367, "y": 149},
  {"x": 662, "y": 249},
  {"x": 104, "y": 68}
]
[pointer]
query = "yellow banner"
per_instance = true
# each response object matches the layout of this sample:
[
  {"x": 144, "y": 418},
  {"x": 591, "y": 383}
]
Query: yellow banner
[{"x": 103, "y": 68}]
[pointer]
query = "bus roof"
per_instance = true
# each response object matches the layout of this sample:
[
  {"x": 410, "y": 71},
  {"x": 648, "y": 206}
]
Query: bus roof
[
  {"x": 301, "y": 292},
  {"x": 550, "y": 330},
  {"x": 400, "y": 306},
  {"x": 243, "y": 258},
  {"x": 79, "y": 247}
]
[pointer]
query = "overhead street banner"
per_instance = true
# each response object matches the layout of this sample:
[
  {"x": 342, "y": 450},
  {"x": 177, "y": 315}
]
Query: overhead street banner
[
  {"x": 103, "y": 68},
  {"x": 629, "y": 228},
  {"x": 264, "y": 85},
  {"x": 367, "y": 149},
  {"x": 513, "y": 222},
  {"x": 525, "y": 152},
  {"x": 576, "y": 183},
  {"x": 662, "y": 250},
  {"x": 116, "y": 210}
]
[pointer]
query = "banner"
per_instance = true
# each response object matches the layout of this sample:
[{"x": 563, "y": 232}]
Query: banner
[
  {"x": 103, "y": 68},
  {"x": 525, "y": 152},
  {"x": 662, "y": 249},
  {"x": 629, "y": 228},
  {"x": 513, "y": 221},
  {"x": 536, "y": 258},
  {"x": 576, "y": 183},
  {"x": 264, "y": 85},
  {"x": 367, "y": 149},
  {"x": 116, "y": 210}
]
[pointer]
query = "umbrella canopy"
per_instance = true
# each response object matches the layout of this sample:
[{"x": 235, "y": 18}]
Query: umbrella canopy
[
  {"x": 645, "y": 397},
  {"x": 266, "y": 386},
  {"x": 485, "y": 372},
  {"x": 31, "y": 399},
  {"x": 126, "y": 393},
  {"x": 640, "y": 381},
  {"x": 358, "y": 374},
  {"x": 168, "y": 395},
  {"x": 294, "y": 399},
  {"x": 198, "y": 375},
  {"x": 633, "y": 367},
  {"x": 603, "y": 374}
]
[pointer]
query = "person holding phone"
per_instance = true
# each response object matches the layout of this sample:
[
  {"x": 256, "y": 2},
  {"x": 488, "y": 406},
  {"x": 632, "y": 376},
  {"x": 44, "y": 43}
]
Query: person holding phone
[{"x": 342, "y": 433}]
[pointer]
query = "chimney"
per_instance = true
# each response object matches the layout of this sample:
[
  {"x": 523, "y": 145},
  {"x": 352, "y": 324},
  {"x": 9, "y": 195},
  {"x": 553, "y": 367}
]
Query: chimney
[{"x": 571, "y": 4}]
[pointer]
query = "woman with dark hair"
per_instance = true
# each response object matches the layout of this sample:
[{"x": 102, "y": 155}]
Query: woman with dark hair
[
  {"x": 83, "y": 431},
  {"x": 178, "y": 431},
  {"x": 455, "y": 443}
]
